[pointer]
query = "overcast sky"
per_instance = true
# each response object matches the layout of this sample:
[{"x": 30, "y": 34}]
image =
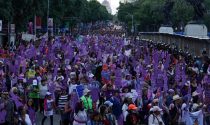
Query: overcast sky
[{"x": 114, "y": 4}]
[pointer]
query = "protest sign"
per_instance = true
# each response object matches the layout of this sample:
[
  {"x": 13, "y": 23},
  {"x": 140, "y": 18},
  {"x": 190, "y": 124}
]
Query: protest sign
[
  {"x": 28, "y": 37},
  {"x": 79, "y": 90},
  {"x": 12, "y": 28},
  {"x": 38, "y": 22}
]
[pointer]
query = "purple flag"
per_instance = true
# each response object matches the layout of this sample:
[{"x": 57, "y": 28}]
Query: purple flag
[{"x": 95, "y": 94}]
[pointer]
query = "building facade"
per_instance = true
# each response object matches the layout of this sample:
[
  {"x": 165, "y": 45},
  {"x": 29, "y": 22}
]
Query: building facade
[
  {"x": 127, "y": 1},
  {"x": 107, "y": 5}
]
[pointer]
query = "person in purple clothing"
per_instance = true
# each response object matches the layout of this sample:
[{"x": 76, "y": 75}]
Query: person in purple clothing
[
  {"x": 9, "y": 106},
  {"x": 2, "y": 109},
  {"x": 117, "y": 105},
  {"x": 31, "y": 111}
]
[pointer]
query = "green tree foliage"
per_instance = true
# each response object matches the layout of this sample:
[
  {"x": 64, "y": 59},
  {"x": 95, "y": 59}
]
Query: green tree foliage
[
  {"x": 148, "y": 14},
  {"x": 20, "y": 12},
  {"x": 6, "y": 9}
]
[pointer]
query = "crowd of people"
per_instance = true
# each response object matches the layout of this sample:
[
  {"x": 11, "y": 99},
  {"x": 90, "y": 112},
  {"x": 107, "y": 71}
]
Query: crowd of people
[{"x": 103, "y": 80}]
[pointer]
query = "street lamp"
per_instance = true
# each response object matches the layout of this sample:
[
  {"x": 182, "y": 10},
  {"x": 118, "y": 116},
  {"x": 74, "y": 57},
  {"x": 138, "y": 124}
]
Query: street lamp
[
  {"x": 132, "y": 28},
  {"x": 48, "y": 6}
]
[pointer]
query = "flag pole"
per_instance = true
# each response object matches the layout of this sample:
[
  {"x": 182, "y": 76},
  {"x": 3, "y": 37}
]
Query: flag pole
[
  {"x": 48, "y": 6},
  {"x": 34, "y": 27}
]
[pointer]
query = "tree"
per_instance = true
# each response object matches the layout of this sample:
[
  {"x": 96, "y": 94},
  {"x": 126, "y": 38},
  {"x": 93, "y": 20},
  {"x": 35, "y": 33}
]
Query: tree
[
  {"x": 6, "y": 10},
  {"x": 20, "y": 12},
  {"x": 97, "y": 11},
  {"x": 149, "y": 14}
]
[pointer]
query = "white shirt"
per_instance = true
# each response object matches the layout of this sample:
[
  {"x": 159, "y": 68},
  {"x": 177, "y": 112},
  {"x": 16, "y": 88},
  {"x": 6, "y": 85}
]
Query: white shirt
[
  {"x": 125, "y": 112},
  {"x": 43, "y": 90},
  {"x": 27, "y": 120},
  {"x": 185, "y": 115},
  {"x": 80, "y": 116},
  {"x": 155, "y": 120},
  {"x": 72, "y": 87},
  {"x": 50, "y": 104}
]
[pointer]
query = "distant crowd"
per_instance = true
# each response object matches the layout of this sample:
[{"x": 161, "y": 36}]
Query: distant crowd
[{"x": 103, "y": 79}]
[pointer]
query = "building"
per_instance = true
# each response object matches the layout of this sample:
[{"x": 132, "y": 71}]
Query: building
[
  {"x": 127, "y": 1},
  {"x": 107, "y": 5}
]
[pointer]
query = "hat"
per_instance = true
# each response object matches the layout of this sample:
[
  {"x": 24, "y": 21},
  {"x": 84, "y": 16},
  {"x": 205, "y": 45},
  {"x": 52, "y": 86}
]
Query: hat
[
  {"x": 149, "y": 66},
  {"x": 171, "y": 90},
  {"x": 149, "y": 106},
  {"x": 60, "y": 77},
  {"x": 105, "y": 67},
  {"x": 5, "y": 92},
  {"x": 129, "y": 95},
  {"x": 208, "y": 70},
  {"x": 176, "y": 97},
  {"x": 184, "y": 106},
  {"x": 156, "y": 108},
  {"x": 14, "y": 89},
  {"x": 187, "y": 83},
  {"x": 72, "y": 74},
  {"x": 171, "y": 106},
  {"x": 90, "y": 75},
  {"x": 195, "y": 106},
  {"x": 108, "y": 103},
  {"x": 132, "y": 107},
  {"x": 195, "y": 93},
  {"x": 194, "y": 84},
  {"x": 21, "y": 76},
  {"x": 35, "y": 82},
  {"x": 155, "y": 100},
  {"x": 151, "y": 110},
  {"x": 76, "y": 66},
  {"x": 48, "y": 93},
  {"x": 68, "y": 67},
  {"x": 86, "y": 91}
]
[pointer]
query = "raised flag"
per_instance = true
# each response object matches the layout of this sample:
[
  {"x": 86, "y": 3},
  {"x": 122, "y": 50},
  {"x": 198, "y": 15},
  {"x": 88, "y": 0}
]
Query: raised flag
[
  {"x": 30, "y": 27},
  {"x": 38, "y": 22}
]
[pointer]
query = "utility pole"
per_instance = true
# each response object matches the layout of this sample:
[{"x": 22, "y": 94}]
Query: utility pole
[
  {"x": 48, "y": 7},
  {"x": 132, "y": 29}
]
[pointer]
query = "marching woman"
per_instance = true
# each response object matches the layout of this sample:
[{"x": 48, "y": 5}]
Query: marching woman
[
  {"x": 31, "y": 111},
  {"x": 80, "y": 115},
  {"x": 23, "y": 118},
  {"x": 49, "y": 105}
]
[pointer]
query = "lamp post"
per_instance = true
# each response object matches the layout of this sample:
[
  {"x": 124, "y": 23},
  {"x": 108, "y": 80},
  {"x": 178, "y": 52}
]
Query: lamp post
[
  {"x": 48, "y": 7},
  {"x": 132, "y": 17},
  {"x": 132, "y": 29}
]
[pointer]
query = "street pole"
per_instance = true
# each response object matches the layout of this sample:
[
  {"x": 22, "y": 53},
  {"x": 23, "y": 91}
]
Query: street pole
[
  {"x": 132, "y": 24},
  {"x": 132, "y": 20},
  {"x": 48, "y": 6},
  {"x": 8, "y": 31},
  {"x": 34, "y": 27}
]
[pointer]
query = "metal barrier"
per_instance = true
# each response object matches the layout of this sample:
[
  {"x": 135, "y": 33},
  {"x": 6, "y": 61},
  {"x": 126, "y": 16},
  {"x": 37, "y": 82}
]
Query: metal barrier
[{"x": 193, "y": 45}]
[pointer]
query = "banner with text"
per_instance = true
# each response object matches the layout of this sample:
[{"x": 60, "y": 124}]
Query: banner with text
[{"x": 0, "y": 25}]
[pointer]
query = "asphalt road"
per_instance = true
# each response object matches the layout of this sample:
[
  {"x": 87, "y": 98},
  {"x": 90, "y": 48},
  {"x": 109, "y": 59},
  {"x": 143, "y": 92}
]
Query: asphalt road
[{"x": 39, "y": 117}]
